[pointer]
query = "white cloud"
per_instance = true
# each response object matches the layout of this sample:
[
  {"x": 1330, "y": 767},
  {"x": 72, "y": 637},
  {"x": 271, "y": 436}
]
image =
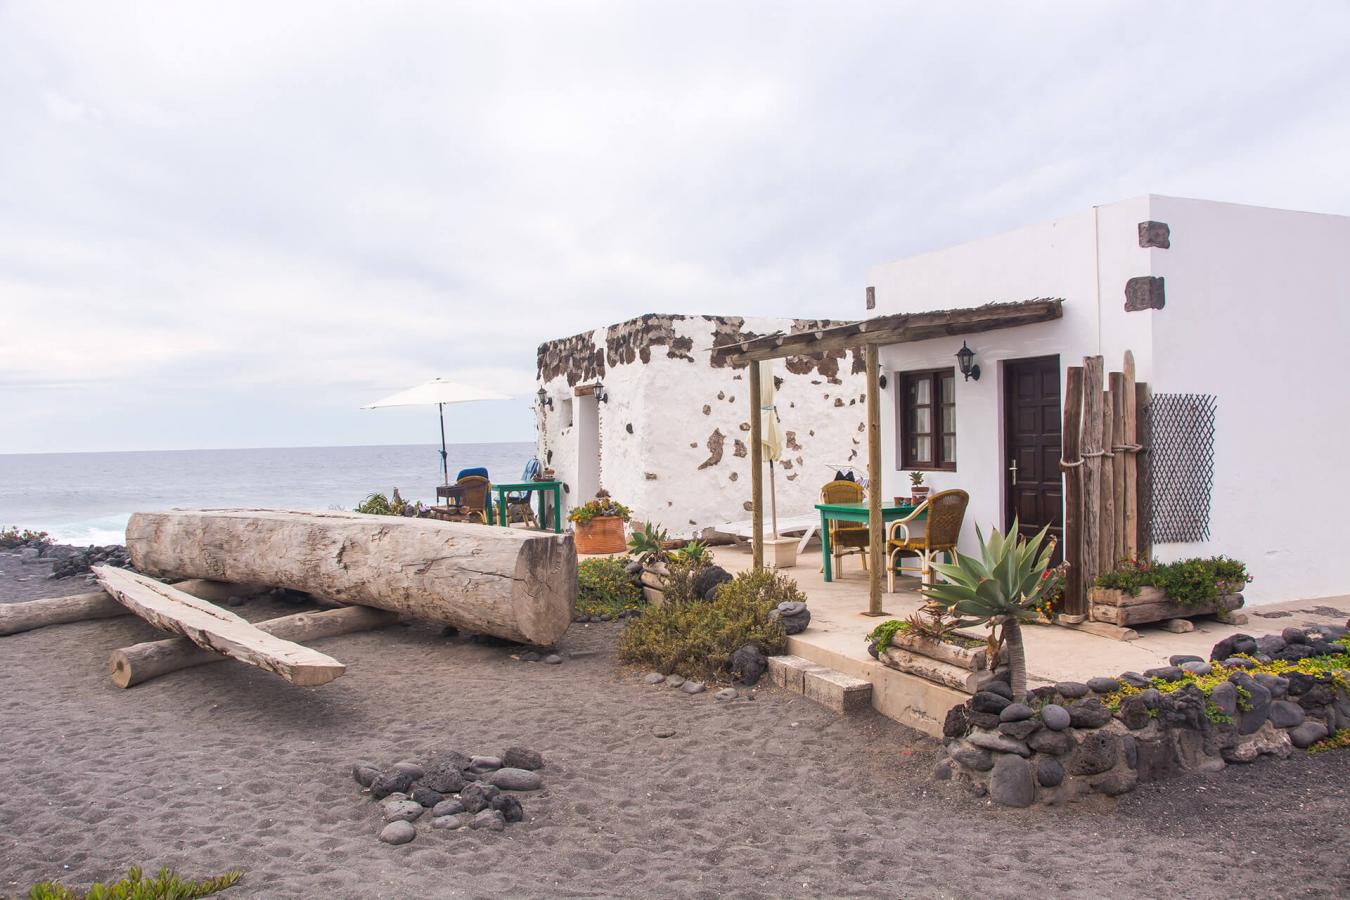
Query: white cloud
[{"x": 252, "y": 217}]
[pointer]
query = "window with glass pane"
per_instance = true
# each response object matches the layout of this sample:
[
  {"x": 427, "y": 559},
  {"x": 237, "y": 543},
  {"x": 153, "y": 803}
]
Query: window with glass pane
[{"x": 927, "y": 417}]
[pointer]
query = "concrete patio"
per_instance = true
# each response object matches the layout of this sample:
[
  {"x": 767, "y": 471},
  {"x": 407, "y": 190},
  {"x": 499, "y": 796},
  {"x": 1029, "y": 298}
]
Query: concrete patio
[{"x": 838, "y": 625}]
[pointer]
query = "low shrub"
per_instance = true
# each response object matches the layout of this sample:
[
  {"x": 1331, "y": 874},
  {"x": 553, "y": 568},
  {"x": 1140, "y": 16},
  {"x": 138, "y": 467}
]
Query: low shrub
[
  {"x": 695, "y": 638},
  {"x": 604, "y": 587},
  {"x": 1339, "y": 740},
  {"x": 380, "y": 505},
  {"x": 166, "y": 885},
  {"x": 1187, "y": 582},
  {"x": 11, "y": 538}
]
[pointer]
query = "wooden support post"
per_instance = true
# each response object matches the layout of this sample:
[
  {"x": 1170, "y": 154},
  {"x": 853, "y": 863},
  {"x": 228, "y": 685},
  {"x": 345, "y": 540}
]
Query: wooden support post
[
  {"x": 875, "y": 530},
  {"x": 1128, "y": 435},
  {"x": 1144, "y": 480},
  {"x": 1091, "y": 448},
  {"x": 1075, "y": 591},
  {"x": 1121, "y": 457},
  {"x": 1106, "y": 548},
  {"x": 756, "y": 472}
]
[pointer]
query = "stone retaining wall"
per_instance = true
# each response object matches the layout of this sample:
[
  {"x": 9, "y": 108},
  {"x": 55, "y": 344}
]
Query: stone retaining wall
[{"x": 1106, "y": 736}]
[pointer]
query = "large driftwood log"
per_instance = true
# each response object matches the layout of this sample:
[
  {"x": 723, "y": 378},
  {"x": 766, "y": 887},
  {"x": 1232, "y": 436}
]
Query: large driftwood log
[
  {"x": 17, "y": 617},
  {"x": 514, "y": 584},
  {"x": 209, "y": 626},
  {"x": 973, "y": 660},
  {"x": 933, "y": 670},
  {"x": 132, "y": 665}
]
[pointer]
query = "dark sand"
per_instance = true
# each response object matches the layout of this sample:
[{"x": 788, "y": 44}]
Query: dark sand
[{"x": 225, "y": 766}]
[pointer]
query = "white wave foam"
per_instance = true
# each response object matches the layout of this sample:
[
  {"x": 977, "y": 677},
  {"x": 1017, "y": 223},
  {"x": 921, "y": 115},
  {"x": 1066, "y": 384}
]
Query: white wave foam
[{"x": 99, "y": 532}]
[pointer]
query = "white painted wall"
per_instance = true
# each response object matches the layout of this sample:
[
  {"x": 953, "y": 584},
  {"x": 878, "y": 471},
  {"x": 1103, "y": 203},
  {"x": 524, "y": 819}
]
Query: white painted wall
[
  {"x": 664, "y": 401},
  {"x": 1256, "y": 313}
]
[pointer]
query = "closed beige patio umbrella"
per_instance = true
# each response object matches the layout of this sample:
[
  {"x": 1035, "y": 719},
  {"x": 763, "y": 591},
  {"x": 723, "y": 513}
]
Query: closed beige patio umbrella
[{"x": 773, "y": 445}]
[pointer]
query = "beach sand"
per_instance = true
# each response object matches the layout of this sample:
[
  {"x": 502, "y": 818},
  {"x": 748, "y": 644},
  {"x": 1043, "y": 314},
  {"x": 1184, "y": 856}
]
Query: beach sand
[{"x": 226, "y": 766}]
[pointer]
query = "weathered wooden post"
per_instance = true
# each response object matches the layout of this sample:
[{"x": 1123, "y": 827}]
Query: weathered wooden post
[
  {"x": 1075, "y": 590},
  {"x": 1144, "y": 479},
  {"x": 1091, "y": 450},
  {"x": 1106, "y": 549},
  {"x": 756, "y": 471},
  {"x": 876, "y": 536}
]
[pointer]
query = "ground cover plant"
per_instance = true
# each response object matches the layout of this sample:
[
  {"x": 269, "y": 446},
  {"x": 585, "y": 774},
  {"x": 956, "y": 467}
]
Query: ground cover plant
[
  {"x": 605, "y": 587},
  {"x": 379, "y": 505},
  {"x": 695, "y": 638},
  {"x": 166, "y": 885},
  {"x": 1187, "y": 582},
  {"x": 931, "y": 625},
  {"x": 11, "y": 538},
  {"x": 597, "y": 508}
]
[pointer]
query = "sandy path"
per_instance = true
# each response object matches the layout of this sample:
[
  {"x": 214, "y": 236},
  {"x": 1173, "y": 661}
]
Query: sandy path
[{"x": 224, "y": 766}]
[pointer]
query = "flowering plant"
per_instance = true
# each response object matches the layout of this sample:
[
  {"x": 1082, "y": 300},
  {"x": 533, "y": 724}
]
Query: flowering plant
[{"x": 1051, "y": 601}]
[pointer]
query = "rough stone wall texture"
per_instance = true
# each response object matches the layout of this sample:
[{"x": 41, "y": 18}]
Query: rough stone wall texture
[
  {"x": 1066, "y": 740},
  {"x": 684, "y": 463}
]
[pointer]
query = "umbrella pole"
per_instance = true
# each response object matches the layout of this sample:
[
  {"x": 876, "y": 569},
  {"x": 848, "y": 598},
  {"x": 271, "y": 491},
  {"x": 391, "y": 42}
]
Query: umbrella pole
[{"x": 445, "y": 464}]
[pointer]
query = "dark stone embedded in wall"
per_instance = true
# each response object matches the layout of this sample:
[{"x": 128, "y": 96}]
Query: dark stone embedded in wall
[
  {"x": 1144, "y": 292},
  {"x": 733, "y": 476},
  {"x": 838, "y": 401},
  {"x": 738, "y": 448},
  {"x": 748, "y": 506},
  {"x": 629, "y": 427},
  {"x": 871, "y": 297},
  {"x": 791, "y": 439},
  {"x": 792, "y": 477},
  {"x": 1155, "y": 234},
  {"x": 577, "y": 358},
  {"x": 859, "y": 362},
  {"x": 731, "y": 399},
  {"x": 707, "y": 410},
  {"x": 786, "y": 464},
  {"x": 633, "y": 340},
  {"x": 716, "y": 440},
  {"x": 693, "y": 444},
  {"x": 745, "y": 426},
  {"x": 651, "y": 476}
]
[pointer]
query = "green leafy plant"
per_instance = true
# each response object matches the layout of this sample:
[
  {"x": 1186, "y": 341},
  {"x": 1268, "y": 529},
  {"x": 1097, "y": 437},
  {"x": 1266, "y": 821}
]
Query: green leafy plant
[
  {"x": 166, "y": 885},
  {"x": 604, "y": 587},
  {"x": 1051, "y": 602},
  {"x": 594, "y": 509},
  {"x": 1187, "y": 582},
  {"x": 380, "y": 505},
  {"x": 884, "y": 633},
  {"x": 647, "y": 544},
  {"x": 13, "y": 537},
  {"x": 696, "y": 554},
  {"x": 1339, "y": 740},
  {"x": 999, "y": 586},
  {"x": 916, "y": 478},
  {"x": 696, "y": 638}
]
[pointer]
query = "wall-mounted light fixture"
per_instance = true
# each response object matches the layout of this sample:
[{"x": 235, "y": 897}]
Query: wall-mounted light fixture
[
  {"x": 964, "y": 358},
  {"x": 881, "y": 380},
  {"x": 545, "y": 401},
  {"x": 600, "y": 395}
]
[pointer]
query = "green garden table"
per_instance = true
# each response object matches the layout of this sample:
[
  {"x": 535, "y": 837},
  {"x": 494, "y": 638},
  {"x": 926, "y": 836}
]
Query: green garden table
[
  {"x": 853, "y": 512},
  {"x": 526, "y": 487}
]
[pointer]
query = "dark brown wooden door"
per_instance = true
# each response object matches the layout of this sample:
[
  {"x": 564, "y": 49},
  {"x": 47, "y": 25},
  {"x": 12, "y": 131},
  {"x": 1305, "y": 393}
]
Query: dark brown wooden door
[{"x": 1032, "y": 424}]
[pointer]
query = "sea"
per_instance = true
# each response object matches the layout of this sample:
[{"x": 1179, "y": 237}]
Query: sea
[{"x": 86, "y": 498}]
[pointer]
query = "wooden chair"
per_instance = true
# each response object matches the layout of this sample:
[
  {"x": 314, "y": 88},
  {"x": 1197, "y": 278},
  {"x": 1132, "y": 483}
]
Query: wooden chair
[
  {"x": 846, "y": 538},
  {"x": 937, "y": 533},
  {"x": 466, "y": 500}
]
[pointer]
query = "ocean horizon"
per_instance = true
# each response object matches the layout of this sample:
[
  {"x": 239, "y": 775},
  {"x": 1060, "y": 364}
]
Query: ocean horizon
[{"x": 84, "y": 498}]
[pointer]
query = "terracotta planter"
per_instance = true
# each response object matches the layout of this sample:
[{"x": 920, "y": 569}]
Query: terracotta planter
[{"x": 603, "y": 534}]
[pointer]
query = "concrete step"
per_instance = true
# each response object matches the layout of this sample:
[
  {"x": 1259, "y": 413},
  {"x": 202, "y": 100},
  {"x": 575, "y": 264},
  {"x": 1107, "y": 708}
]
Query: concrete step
[{"x": 841, "y": 693}]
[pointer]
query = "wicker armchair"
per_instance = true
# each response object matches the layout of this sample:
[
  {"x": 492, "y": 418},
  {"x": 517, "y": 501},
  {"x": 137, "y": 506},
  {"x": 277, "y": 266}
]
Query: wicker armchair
[
  {"x": 466, "y": 500},
  {"x": 937, "y": 533},
  {"x": 846, "y": 538}
]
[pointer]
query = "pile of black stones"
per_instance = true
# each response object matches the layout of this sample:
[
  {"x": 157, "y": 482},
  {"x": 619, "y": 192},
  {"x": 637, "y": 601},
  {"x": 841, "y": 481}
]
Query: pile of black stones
[{"x": 452, "y": 791}]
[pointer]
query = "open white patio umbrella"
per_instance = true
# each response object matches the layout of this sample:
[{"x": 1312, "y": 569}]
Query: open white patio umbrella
[
  {"x": 768, "y": 434},
  {"x": 438, "y": 391}
]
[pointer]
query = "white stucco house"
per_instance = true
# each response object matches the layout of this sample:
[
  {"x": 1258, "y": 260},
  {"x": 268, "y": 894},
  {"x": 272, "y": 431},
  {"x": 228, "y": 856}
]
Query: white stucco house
[
  {"x": 1249, "y": 308},
  {"x": 649, "y": 411}
]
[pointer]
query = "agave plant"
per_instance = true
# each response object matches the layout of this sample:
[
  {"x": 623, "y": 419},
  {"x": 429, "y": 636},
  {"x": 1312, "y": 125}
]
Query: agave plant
[
  {"x": 1001, "y": 587},
  {"x": 695, "y": 554}
]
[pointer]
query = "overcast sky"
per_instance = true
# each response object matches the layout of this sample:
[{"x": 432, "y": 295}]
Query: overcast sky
[{"x": 231, "y": 224}]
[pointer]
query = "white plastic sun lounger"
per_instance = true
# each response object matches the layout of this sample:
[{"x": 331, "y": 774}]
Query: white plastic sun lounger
[{"x": 787, "y": 526}]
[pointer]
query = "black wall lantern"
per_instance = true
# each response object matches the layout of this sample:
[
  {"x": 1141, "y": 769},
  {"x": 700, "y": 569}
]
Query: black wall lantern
[
  {"x": 964, "y": 357},
  {"x": 882, "y": 381},
  {"x": 600, "y": 395},
  {"x": 545, "y": 401}
]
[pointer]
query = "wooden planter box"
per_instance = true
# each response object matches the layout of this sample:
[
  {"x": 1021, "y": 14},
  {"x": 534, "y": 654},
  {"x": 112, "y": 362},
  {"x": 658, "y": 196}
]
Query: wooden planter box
[
  {"x": 653, "y": 583},
  {"x": 603, "y": 534},
  {"x": 1150, "y": 605}
]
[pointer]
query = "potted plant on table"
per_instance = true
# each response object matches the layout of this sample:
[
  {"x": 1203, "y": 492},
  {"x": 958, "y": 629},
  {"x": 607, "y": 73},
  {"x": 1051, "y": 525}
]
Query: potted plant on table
[
  {"x": 598, "y": 525},
  {"x": 917, "y": 488}
]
